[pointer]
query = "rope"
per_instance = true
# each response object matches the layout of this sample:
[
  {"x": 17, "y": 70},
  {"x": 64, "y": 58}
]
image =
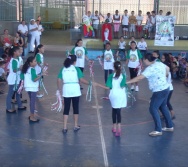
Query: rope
[
  {"x": 58, "y": 104},
  {"x": 89, "y": 92},
  {"x": 91, "y": 63},
  {"x": 41, "y": 83},
  {"x": 100, "y": 62},
  {"x": 20, "y": 87}
]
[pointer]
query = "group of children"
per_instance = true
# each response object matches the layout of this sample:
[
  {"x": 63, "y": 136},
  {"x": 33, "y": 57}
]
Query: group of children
[{"x": 131, "y": 24}]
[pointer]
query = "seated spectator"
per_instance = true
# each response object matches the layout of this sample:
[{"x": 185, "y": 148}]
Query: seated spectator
[
  {"x": 6, "y": 39},
  {"x": 18, "y": 40},
  {"x": 142, "y": 46},
  {"x": 23, "y": 30},
  {"x": 132, "y": 39},
  {"x": 174, "y": 70},
  {"x": 122, "y": 45},
  {"x": 2, "y": 74}
]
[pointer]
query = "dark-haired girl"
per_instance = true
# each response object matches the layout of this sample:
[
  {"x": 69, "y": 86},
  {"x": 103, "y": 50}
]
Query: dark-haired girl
[
  {"x": 116, "y": 83},
  {"x": 40, "y": 62},
  {"x": 13, "y": 80},
  {"x": 81, "y": 54},
  {"x": 134, "y": 59},
  {"x": 31, "y": 83},
  {"x": 157, "y": 73},
  {"x": 70, "y": 77}
]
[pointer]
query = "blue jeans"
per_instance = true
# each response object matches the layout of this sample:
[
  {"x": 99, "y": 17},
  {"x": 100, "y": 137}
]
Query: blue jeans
[
  {"x": 9, "y": 98},
  {"x": 32, "y": 98},
  {"x": 159, "y": 99}
]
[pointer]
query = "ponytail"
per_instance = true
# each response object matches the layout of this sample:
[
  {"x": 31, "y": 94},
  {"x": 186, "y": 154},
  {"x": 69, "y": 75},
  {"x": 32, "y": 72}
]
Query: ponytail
[
  {"x": 12, "y": 50},
  {"x": 70, "y": 60},
  {"x": 117, "y": 67},
  {"x": 37, "y": 49},
  {"x": 27, "y": 64}
]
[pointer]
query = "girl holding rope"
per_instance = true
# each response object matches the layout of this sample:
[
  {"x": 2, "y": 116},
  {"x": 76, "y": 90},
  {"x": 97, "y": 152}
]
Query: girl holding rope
[{"x": 70, "y": 76}]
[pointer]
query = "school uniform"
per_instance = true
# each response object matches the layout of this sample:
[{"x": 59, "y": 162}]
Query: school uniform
[
  {"x": 108, "y": 63},
  {"x": 13, "y": 80},
  {"x": 80, "y": 53},
  {"x": 117, "y": 96},
  {"x": 71, "y": 87},
  {"x": 31, "y": 86},
  {"x": 134, "y": 61},
  {"x": 142, "y": 46},
  {"x": 40, "y": 60}
]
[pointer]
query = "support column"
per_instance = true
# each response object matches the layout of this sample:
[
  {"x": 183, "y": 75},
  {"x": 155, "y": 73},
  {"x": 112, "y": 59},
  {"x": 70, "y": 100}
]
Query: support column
[{"x": 36, "y": 5}]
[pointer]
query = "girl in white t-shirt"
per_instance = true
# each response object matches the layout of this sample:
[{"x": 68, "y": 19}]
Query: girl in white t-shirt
[
  {"x": 116, "y": 22},
  {"x": 70, "y": 76},
  {"x": 122, "y": 45},
  {"x": 108, "y": 61},
  {"x": 31, "y": 83},
  {"x": 134, "y": 60}
]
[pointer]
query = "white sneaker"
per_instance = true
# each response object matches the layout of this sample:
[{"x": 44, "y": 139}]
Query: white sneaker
[
  {"x": 132, "y": 87},
  {"x": 40, "y": 95},
  {"x": 155, "y": 133},
  {"x": 168, "y": 129},
  {"x": 137, "y": 89}
]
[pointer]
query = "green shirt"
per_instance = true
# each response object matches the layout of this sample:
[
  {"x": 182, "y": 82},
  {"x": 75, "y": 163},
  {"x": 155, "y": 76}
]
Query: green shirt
[
  {"x": 14, "y": 65},
  {"x": 33, "y": 75},
  {"x": 79, "y": 72},
  {"x": 110, "y": 78},
  {"x": 38, "y": 58}
]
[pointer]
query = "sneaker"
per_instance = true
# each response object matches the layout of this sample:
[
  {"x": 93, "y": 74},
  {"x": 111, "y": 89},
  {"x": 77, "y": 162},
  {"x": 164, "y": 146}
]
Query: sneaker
[
  {"x": 137, "y": 89},
  {"x": 76, "y": 128},
  {"x": 132, "y": 87},
  {"x": 168, "y": 129},
  {"x": 64, "y": 131},
  {"x": 40, "y": 95},
  {"x": 155, "y": 133},
  {"x": 114, "y": 130}
]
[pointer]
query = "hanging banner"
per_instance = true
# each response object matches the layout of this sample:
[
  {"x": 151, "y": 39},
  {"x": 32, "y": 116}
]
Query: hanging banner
[{"x": 164, "y": 30}]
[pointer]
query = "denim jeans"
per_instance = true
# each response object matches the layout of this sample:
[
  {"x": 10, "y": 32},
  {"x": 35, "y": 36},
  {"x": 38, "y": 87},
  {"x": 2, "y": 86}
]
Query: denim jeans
[
  {"x": 32, "y": 98},
  {"x": 106, "y": 73},
  {"x": 9, "y": 98},
  {"x": 159, "y": 100}
]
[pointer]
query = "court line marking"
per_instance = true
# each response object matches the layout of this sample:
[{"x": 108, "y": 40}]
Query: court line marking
[{"x": 100, "y": 127}]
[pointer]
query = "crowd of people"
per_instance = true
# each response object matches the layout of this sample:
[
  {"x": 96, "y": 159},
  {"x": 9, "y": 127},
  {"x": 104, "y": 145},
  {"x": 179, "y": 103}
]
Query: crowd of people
[
  {"x": 29, "y": 74},
  {"x": 132, "y": 25}
]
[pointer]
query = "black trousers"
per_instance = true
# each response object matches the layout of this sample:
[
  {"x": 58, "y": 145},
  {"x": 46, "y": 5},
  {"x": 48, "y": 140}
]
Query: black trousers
[
  {"x": 106, "y": 73},
  {"x": 116, "y": 115},
  {"x": 75, "y": 105}
]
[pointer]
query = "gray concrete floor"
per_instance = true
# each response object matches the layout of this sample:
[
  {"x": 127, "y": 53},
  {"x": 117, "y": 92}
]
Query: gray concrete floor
[{"x": 43, "y": 144}]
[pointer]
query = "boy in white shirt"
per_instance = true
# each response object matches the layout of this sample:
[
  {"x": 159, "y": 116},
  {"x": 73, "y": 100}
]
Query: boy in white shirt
[
  {"x": 142, "y": 46},
  {"x": 139, "y": 20},
  {"x": 125, "y": 23}
]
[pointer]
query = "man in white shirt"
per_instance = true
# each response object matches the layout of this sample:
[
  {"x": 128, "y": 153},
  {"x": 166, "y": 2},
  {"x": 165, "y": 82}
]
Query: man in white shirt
[
  {"x": 96, "y": 21},
  {"x": 23, "y": 29},
  {"x": 33, "y": 29},
  {"x": 139, "y": 20}
]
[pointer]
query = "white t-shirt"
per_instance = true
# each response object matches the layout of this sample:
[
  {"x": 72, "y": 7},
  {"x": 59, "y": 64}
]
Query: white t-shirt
[
  {"x": 108, "y": 60},
  {"x": 134, "y": 59},
  {"x": 2, "y": 71},
  {"x": 109, "y": 18},
  {"x": 71, "y": 86},
  {"x": 142, "y": 45},
  {"x": 22, "y": 28},
  {"x": 86, "y": 20},
  {"x": 117, "y": 17},
  {"x": 139, "y": 19},
  {"x": 153, "y": 19},
  {"x": 156, "y": 75},
  {"x": 95, "y": 19},
  {"x": 39, "y": 29},
  {"x": 122, "y": 44},
  {"x": 33, "y": 27},
  {"x": 80, "y": 52},
  {"x": 125, "y": 20}
]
